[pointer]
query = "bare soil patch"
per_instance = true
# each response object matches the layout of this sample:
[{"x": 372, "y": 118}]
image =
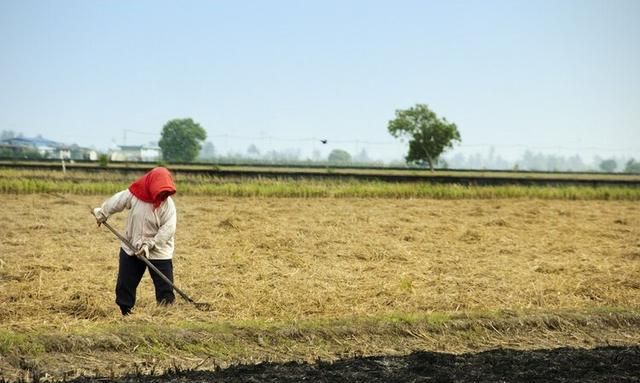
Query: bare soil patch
[{"x": 610, "y": 364}]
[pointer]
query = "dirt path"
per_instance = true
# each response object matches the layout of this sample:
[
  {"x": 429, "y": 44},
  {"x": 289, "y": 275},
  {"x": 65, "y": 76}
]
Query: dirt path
[{"x": 610, "y": 364}]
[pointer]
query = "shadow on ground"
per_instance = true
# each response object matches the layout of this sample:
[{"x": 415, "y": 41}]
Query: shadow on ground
[{"x": 605, "y": 364}]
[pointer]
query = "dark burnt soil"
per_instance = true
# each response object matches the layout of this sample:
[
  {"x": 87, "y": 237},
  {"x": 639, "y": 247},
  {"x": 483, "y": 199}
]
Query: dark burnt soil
[{"x": 605, "y": 364}]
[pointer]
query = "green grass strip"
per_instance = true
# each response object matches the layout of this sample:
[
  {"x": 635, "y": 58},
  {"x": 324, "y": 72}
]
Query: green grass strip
[
  {"x": 333, "y": 189},
  {"x": 241, "y": 339}
]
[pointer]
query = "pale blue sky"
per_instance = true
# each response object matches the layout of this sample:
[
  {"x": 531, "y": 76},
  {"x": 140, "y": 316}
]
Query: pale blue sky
[{"x": 554, "y": 76}]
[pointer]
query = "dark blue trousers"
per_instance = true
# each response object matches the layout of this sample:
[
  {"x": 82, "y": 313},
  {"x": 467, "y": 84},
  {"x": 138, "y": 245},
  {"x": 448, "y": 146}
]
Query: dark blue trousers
[{"x": 130, "y": 272}]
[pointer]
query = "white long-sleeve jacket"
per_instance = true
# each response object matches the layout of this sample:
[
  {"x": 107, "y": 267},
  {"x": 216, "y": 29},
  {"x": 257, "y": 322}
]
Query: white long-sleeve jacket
[{"x": 155, "y": 227}]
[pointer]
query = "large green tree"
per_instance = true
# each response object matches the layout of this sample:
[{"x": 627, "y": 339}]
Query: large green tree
[
  {"x": 429, "y": 136},
  {"x": 181, "y": 140}
]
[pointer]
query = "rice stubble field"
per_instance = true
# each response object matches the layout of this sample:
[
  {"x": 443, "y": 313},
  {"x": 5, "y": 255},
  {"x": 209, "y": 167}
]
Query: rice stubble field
[{"x": 323, "y": 278}]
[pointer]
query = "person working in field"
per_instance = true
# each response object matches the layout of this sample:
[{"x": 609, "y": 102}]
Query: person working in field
[{"x": 150, "y": 227}]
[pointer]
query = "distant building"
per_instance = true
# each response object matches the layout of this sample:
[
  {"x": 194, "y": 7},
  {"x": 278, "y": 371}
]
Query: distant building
[
  {"x": 46, "y": 148},
  {"x": 49, "y": 149},
  {"x": 145, "y": 153},
  {"x": 80, "y": 153}
]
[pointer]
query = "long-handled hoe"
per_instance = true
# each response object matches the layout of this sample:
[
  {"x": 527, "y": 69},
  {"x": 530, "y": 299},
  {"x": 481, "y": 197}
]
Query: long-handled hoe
[{"x": 198, "y": 305}]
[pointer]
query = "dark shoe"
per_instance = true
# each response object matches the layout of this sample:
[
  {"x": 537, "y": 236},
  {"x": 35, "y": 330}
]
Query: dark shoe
[{"x": 125, "y": 310}]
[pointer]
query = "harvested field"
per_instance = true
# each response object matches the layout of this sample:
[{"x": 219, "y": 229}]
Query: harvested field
[{"x": 301, "y": 279}]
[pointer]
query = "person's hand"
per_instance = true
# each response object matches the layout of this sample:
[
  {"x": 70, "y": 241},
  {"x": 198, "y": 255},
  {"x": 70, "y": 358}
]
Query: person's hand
[
  {"x": 100, "y": 218},
  {"x": 143, "y": 251}
]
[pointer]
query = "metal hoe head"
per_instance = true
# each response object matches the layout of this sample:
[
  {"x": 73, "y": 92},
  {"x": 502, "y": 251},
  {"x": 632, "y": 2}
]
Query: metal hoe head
[{"x": 203, "y": 306}]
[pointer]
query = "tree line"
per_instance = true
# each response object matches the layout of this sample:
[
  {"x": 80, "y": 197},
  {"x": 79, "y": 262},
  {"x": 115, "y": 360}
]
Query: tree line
[{"x": 427, "y": 135}]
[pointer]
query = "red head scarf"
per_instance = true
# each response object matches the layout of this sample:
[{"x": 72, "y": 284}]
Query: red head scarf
[{"x": 148, "y": 187}]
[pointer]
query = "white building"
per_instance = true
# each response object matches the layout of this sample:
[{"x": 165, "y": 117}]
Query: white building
[{"x": 146, "y": 153}]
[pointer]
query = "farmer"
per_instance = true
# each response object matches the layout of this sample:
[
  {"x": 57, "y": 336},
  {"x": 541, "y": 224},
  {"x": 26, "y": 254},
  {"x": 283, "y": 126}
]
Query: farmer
[{"x": 151, "y": 227}]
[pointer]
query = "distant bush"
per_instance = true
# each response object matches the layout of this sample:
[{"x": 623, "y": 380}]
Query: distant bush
[
  {"x": 103, "y": 160},
  {"x": 339, "y": 156},
  {"x": 632, "y": 167},
  {"x": 20, "y": 153},
  {"x": 608, "y": 166}
]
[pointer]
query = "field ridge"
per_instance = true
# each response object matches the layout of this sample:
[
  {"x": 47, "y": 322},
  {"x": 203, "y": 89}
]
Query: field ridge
[
  {"x": 133, "y": 343},
  {"x": 87, "y": 183}
]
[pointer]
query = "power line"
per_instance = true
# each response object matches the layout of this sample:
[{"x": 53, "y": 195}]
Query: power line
[
  {"x": 300, "y": 139},
  {"x": 556, "y": 147},
  {"x": 396, "y": 143},
  {"x": 143, "y": 133}
]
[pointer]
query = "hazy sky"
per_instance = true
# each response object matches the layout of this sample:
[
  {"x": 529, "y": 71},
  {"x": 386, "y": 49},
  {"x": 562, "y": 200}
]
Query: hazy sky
[{"x": 551, "y": 76}]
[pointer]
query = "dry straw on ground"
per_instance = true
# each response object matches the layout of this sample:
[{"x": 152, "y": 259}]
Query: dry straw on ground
[
  {"x": 297, "y": 259},
  {"x": 294, "y": 278}
]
